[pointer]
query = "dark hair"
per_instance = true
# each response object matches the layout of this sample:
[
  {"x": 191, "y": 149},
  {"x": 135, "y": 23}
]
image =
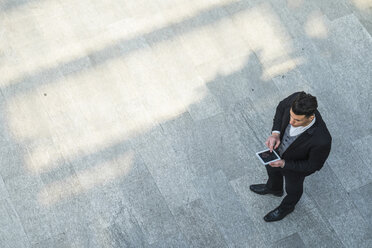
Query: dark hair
[{"x": 304, "y": 104}]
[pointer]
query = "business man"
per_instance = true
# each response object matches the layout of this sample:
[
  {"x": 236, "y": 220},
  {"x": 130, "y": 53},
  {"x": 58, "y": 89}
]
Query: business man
[{"x": 301, "y": 138}]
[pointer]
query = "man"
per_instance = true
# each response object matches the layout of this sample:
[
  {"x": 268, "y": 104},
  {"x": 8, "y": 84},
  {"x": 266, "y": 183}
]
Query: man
[{"x": 301, "y": 138}]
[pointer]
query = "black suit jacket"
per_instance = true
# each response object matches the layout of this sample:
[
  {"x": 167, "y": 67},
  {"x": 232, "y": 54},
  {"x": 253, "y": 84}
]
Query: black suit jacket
[{"x": 310, "y": 150}]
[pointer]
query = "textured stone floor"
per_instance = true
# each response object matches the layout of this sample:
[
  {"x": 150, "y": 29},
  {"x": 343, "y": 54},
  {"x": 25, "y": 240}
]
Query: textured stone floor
[{"x": 135, "y": 123}]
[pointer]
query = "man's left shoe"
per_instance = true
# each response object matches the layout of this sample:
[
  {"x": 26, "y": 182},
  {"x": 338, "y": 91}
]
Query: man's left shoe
[{"x": 277, "y": 214}]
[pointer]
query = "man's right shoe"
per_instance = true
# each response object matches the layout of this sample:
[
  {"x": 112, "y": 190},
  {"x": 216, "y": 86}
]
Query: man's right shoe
[
  {"x": 277, "y": 214},
  {"x": 263, "y": 190}
]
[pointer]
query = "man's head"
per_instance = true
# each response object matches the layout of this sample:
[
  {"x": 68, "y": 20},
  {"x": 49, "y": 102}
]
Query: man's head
[{"x": 302, "y": 110}]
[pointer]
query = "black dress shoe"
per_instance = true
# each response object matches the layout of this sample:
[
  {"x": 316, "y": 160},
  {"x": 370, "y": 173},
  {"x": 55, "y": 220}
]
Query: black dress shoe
[
  {"x": 277, "y": 214},
  {"x": 263, "y": 190}
]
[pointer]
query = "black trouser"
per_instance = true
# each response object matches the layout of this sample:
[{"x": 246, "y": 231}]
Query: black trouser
[{"x": 294, "y": 185}]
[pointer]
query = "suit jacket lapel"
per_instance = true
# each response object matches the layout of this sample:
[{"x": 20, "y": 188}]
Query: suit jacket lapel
[
  {"x": 299, "y": 140},
  {"x": 285, "y": 123}
]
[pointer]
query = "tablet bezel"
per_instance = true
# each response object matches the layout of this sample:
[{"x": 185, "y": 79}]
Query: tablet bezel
[{"x": 270, "y": 160}]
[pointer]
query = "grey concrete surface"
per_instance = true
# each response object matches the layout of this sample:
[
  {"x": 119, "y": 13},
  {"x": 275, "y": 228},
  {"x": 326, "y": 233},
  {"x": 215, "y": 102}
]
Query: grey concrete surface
[{"x": 135, "y": 123}]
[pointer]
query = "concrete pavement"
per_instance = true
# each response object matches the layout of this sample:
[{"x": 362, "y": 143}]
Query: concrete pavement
[{"x": 135, "y": 123}]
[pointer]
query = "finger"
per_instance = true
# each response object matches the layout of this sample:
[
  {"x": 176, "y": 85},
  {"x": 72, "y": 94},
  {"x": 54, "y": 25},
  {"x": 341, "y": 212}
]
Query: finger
[
  {"x": 271, "y": 146},
  {"x": 277, "y": 144}
]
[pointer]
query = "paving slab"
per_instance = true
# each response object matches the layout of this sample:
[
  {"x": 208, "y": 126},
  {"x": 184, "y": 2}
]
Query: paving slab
[
  {"x": 125, "y": 230},
  {"x": 315, "y": 231},
  {"x": 60, "y": 241},
  {"x": 293, "y": 240},
  {"x": 22, "y": 191},
  {"x": 362, "y": 200},
  {"x": 12, "y": 154},
  {"x": 251, "y": 127},
  {"x": 346, "y": 166},
  {"x": 301, "y": 18},
  {"x": 231, "y": 217},
  {"x": 327, "y": 191},
  {"x": 149, "y": 207},
  {"x": 361, "y": 148},
  {"x": 352, "y": 229},
  {"x": 362, "y": 9},
  {"x": 177, "y": 240},
  {"x": 13, "y": 234},
  {"x": 334, "y": 10},
  {"x": 135, "y": 123},
  {"x": 198, "y": 226}
]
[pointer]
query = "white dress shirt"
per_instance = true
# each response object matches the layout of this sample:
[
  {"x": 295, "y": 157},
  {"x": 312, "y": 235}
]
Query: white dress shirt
[{"x": 293, "y": 131}]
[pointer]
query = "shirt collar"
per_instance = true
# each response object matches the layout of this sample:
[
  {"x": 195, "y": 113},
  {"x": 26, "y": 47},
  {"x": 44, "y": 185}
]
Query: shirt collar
[{"x": 299, "y": 130}]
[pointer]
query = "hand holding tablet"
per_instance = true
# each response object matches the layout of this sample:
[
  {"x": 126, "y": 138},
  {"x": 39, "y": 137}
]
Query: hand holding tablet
[{"x": 267, "y": 157}]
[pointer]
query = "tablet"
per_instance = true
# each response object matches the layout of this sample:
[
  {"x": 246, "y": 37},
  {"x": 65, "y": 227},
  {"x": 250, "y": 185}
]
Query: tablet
[{"x": 267, "y": 157}]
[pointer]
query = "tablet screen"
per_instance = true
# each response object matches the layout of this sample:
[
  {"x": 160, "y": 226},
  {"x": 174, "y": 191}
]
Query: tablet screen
[{"x": 268, "y": 156}]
